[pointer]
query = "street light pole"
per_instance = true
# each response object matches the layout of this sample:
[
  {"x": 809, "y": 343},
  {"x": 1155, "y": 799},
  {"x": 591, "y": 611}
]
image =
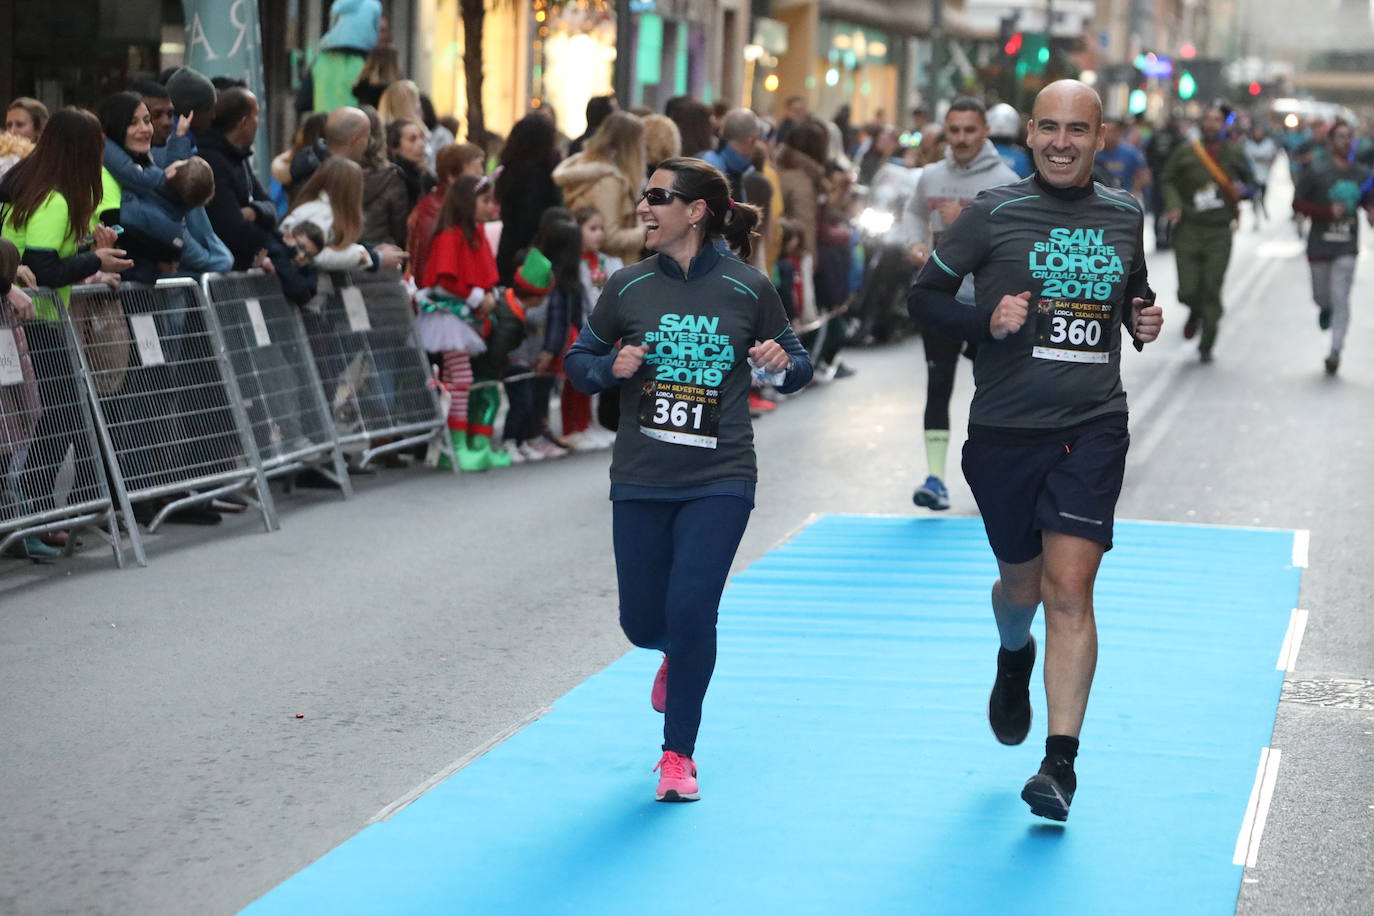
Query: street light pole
[
  {"x": 624, "y": 44},
  {"x": 937, "y": 38},
  {"x": 1049, "y": 36}
]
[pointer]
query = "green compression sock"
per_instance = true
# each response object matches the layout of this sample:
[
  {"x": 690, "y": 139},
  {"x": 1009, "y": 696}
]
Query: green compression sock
[{"x": 937, "y": 449}]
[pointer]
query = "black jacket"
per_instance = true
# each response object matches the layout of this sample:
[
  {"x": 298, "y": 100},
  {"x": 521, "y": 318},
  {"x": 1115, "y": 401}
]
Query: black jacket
[
  {"x": 306, "y": 162},
  {"x": 523, "y": 203},
  {"x": 237, "y": 187}
]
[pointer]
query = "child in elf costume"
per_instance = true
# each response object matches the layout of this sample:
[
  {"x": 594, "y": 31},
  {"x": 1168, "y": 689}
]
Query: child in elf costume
[{"x": 458, "y": 296}]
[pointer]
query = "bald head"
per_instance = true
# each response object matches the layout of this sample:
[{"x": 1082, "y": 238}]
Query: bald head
[
  {"x": 1066, "y": 133},
  {"x": 1069, "y": 93},
  {"x": 346, "y": 132}
]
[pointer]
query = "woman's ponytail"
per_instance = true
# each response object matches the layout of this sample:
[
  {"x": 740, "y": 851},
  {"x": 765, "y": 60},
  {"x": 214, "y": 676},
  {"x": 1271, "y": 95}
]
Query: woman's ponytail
[{"x": 741, "y": 227}]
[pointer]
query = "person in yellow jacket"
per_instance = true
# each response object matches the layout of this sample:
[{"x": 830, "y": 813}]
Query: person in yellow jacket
[{"x": 50, "y": 208}]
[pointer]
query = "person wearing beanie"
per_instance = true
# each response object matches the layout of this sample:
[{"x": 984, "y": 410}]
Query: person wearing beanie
[
  {"x": 525, "y": 375},
  {"x": 533, "y": 278},
  {"x": 193, "y": 95}
]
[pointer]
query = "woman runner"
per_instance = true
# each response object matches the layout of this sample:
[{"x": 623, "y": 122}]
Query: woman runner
[{"x": 692, "y": 325}]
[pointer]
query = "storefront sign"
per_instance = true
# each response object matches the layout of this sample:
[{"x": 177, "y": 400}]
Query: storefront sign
[{"x": 224, "y": 39}]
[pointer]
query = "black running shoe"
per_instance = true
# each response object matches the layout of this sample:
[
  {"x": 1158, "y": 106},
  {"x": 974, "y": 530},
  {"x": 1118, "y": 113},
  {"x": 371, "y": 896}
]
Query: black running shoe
[
  {"x": 1009, "y": 706},
  {"x": 1324, "y": 319},
  {"x": 1050, "y": 792}
]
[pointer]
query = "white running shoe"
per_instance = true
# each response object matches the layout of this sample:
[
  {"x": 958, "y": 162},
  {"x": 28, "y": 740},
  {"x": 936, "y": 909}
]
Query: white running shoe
[
  {"x": 548, "y": 447},
  {"x": 530, "y": 451},
  {"x": 579, "y": 442},
  {"x": 512, "y": 449}
]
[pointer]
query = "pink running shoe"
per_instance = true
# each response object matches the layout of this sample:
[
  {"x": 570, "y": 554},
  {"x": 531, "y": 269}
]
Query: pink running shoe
[
  {"x": 658, "y": 697},
  {"x": 677, "y": 778}
]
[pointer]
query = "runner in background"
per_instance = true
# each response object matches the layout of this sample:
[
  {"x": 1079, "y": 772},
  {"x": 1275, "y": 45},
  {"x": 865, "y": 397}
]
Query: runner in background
[
  {"x": 1120, "y": 164},
  {"x": 1332, "y": 195},
  {"x": 1204, "y": 182},
  {"x": 971, "y": 164},
  {"x": 1261, "y": 149}
]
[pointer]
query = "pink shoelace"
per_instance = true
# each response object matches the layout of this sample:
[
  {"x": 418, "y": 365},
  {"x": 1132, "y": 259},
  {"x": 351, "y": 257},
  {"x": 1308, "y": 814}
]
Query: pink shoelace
[{"x": 673, "y": 765}]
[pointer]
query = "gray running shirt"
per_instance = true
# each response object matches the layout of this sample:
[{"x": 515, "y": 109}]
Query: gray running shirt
[
  {"x": 690, "y": 398},
  {"x": 1075, "y": 257}
]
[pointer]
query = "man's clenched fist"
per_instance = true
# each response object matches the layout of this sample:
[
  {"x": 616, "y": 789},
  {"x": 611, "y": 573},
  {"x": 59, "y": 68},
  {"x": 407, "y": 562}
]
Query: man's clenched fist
[
  {"x": 1148, "y": 320},
  {"x": 1009, "y": 315}
]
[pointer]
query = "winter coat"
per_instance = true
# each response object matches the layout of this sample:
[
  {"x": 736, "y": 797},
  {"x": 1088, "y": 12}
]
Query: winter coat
[
  {"x": 320, "y": 212},
  {"x": 418, "y": 182},
  {"x": 386, "y": 205},
  {"x": 353, "y": 24},
  {"x": 592, "y": 182},
  {"x": 524, "y": 199},
  {"x": 803, "y": 184},
  {"x": 420, "y": 229},
  {"x": 237, "y": 187}
]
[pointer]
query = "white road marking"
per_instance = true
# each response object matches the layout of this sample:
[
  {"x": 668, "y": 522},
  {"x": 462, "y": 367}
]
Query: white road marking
[
  {"x": 1292, "y": 640},
  {"x": 1257, "y": 811},
  {"x": 802, "y": 526},
  {"x": 1165, "y": 381},
  {"x": 1302, "y": 539},
  {"x": 1281, "y": 249}
]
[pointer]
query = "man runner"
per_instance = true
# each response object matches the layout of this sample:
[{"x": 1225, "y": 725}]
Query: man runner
[
  {"x": 1331, "y": 194},
  {"x": 945, "y": 188},
  {"x": 1059, "y": 267},
  {"x": 1204, "y": 181}
]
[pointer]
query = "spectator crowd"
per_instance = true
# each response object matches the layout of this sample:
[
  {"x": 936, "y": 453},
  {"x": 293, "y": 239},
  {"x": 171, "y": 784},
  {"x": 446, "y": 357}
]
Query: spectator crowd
[{"x": 504, "y": 243}]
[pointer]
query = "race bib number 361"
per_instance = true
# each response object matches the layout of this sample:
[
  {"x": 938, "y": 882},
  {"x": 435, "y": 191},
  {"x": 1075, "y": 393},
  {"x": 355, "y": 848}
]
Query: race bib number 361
[
  {"x": 1075, "y": 332},
  {"x": 679, "y": 413}
]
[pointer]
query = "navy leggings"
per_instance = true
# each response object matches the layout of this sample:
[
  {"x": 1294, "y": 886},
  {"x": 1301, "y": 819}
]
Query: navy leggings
[
  {"x": 942, "y": 362},
  {"x": 671, "y": 560}
]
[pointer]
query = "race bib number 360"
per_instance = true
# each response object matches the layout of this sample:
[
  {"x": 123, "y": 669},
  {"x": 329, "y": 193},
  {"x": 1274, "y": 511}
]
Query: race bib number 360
[
  {"x": 1074, "y": 332},
  {"x": 679, "y": 413}
]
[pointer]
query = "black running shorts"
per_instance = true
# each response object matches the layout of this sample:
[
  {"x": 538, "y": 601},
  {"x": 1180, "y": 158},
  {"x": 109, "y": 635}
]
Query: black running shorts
[{"x": 1069, "y": 485}]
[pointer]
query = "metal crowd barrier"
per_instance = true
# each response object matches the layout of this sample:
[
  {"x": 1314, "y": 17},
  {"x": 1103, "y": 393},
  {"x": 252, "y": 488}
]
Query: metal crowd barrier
[
  {"x": 822, "y": 329},
  {"x": 265, "y": 339},
  {"x": 51, "y": 475},
  {"x": 376, "y": 377},
  {"x": 168, "y": 407}
]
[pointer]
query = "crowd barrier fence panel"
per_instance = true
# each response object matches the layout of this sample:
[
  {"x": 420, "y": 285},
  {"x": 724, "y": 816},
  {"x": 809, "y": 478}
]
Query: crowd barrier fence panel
[
  {"x": 51, "y": 473},
  {"x": 168, "y": 408},
  {"x": 283, "y": 398},
  {"x": 376, "y": 376}
]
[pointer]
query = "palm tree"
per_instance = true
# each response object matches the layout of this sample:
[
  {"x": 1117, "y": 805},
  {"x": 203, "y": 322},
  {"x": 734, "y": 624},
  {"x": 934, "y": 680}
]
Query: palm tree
[{"x": 474, "y": 14}]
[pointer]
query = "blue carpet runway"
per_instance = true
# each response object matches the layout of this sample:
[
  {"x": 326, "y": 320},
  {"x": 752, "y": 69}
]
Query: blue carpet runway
[{"x": 846, "y": 762}]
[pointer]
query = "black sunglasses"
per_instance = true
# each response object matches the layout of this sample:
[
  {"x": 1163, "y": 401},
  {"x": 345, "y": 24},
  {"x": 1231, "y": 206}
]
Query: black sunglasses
[{"x": 661, "y": 197}]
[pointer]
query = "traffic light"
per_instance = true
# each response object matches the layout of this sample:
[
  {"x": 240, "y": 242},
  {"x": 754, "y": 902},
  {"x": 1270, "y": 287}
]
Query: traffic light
[
  {"x": 1256, "y": 88},
  {"x": 1187, "y": 86},
  {"x": 1008, "y": 37}
]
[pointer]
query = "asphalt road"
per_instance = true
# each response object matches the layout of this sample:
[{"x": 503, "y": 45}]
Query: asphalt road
[{"x": 153, "y": 762}]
